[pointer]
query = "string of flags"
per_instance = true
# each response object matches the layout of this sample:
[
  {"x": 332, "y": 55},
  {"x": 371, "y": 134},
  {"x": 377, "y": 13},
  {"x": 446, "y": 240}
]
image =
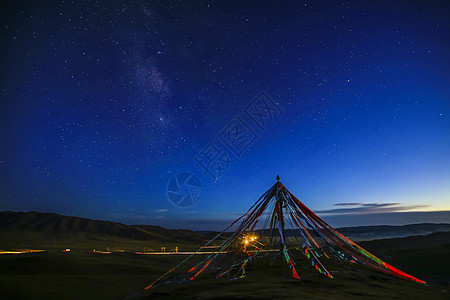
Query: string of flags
[{"x": 261, "y": 232}]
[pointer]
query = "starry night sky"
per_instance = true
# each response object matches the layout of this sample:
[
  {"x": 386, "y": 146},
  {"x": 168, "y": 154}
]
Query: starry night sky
[{"x": 103, "y": 102}]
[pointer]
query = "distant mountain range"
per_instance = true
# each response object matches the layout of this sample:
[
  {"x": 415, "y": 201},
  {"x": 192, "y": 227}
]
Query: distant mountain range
[
  {"x": 365, "y": 233},
  {"x": 386, "y": 231},
  {"x": 21, "y": 227},
  {"x": 24, "y": 228}
]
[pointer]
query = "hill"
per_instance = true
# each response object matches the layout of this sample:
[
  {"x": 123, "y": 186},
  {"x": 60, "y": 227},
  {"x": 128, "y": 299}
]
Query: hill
[
  {"x": 88, "y": 275},
  {"x": 427, "y": 255},
  {"x": 387, "y": 231},
  {"x": 431, "y": 240},
  {"x": 50, "y": 230}
]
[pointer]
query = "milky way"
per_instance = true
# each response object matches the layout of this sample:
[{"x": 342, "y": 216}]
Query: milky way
[{"x": 103, "y": 102}]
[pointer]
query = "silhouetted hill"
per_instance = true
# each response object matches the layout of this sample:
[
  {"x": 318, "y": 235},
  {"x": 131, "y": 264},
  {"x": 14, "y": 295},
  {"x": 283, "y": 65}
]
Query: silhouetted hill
[
  {"x": 60, "y": 225},
  {"x": 32, "y": 226},
  {"x": 431, "y": 240},
  {"x": 32, "y": 229},
  {"x": 426, "y": 255},
  {"x": 364, "y": 233},
  {"x": 386, "y": 231},
  {"x": 171, "y": 234}
]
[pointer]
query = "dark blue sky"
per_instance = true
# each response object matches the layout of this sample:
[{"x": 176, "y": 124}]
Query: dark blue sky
[{"x": 103, "y": 102}]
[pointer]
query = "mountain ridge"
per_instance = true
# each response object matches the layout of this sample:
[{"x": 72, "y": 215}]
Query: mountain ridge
[
  {"x": 57, "y": 226},
  {"x": 61, "y": 226}
]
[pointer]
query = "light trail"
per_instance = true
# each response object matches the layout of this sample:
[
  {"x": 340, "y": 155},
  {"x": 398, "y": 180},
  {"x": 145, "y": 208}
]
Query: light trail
[
  {"x": 21, "y": 252},
  {"x": 196, "y": 253}
]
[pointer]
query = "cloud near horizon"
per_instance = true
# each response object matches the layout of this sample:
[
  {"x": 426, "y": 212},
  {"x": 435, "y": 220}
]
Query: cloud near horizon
[{"x": 369, "y": 208}]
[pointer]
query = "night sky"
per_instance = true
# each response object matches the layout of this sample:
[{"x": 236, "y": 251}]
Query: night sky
[{"x": 103, "y": 102}]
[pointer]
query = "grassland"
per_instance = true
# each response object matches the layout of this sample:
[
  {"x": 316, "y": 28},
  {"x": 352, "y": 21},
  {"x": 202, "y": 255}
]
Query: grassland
[
  {"x": 78, "y": 275},
  {"x": 87, "y": 275},
  {"x": 83, "y": 274},
  {"x": 265, "y": 282}
]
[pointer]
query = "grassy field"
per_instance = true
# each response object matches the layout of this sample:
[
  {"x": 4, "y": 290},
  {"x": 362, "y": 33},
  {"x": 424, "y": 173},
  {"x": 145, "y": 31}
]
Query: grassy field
[
  {"x": 426, "y": 256},
  {"x": 85, "y": 275},
  {"x": 264, "y": 282},
  {"x": 57, "y": 275},
  {"x": 82, "y": 274},
  {"x": 86, "y": 242}
]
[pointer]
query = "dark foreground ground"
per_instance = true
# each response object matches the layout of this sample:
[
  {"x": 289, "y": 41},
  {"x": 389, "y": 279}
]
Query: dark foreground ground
[
  {"x": 269, "y": 283},
  {"x": 87, "y": 275}
]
